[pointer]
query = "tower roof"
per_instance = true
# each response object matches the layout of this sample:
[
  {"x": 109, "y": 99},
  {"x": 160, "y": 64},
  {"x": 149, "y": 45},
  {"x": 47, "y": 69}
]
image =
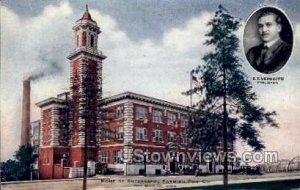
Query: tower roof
[{"x": 86, "y": 15}]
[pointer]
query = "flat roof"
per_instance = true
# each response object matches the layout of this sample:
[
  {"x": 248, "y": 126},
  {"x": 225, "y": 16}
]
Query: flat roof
[
  {"x": 135, "y": 96},
  {"x": 118, "y": 97},
  {"x": 49, "y": 101}
]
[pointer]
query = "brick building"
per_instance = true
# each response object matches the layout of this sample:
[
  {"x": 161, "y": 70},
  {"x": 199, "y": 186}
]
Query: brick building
[
  {"x": 121, "y": 130},
  {"x": 139, "y": 124}
]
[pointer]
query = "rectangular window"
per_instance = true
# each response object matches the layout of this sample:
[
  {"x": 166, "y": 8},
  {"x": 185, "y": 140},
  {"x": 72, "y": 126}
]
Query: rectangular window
[
  {"x": 92, "y": 41},
  {"x": 104, "y": 157},
  {"x": 107, "y": 114},
  {"x": 141, "y": 133},
  {"x": 118, "y": 156},
  {"x": 157, "y": 135},
  {"x": 119, "y": 133},
  {"x": 184, "y": 139},
  {"x": 171, "y": 118},
  {"x": 36, "y": 135},
  {"x": 119, "y": 112},
  {"x": 77, "y": 40},
  {"x": 157, "y": 116},
  {"x": 184, "y": 121},
  {"x": 171, "y": 136},
  {"x": 141, "y": 112},
  {"x": 104, "y": 134}
]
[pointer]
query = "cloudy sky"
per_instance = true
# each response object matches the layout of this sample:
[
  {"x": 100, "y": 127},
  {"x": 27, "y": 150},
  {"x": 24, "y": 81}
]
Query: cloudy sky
[{"x": 150, "y": 45}]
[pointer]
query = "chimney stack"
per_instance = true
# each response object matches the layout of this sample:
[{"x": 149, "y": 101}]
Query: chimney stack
[{"x": 25, "y": 131}]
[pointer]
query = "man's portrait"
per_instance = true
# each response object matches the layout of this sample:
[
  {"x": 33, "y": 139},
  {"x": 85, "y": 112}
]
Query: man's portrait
[{"x": 268, "y": 40}]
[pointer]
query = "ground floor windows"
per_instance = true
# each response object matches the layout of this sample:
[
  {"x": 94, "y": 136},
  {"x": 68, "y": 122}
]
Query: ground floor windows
[
  {"x": 118, "y": 157},
  {"x": 104, "y": 157}
]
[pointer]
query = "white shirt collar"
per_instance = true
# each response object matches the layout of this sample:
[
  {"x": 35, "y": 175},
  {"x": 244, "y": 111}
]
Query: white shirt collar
[{"x": 270, "y": 43}]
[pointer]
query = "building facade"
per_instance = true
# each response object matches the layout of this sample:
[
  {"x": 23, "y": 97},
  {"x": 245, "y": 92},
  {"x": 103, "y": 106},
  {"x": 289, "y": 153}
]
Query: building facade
[{"x": 138, "y": 127}]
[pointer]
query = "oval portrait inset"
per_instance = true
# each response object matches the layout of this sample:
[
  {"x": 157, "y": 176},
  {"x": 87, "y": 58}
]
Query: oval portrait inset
[{"x": 268, "y": 40}]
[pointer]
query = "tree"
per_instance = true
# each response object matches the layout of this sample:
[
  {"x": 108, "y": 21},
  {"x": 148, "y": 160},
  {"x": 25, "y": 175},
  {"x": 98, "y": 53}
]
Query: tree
[
  {"x": 19, "y": 169},
  {"x": 26, "y": 158},
  {"x": 227, "y": 109},
  {"x": 10, "y": 171}
]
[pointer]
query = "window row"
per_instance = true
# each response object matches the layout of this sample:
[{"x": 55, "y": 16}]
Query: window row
[
  {"x": 112, "y": 113},
  {"x": 104, "y": 157},
  {"x": 142, "y": 134},
  {"x": 157, "y": 136},
  {"x": 90, "y": 39},
  {"x": 141, "y": 113},
  {"x": 107, "y": 134},
  {"x": 157, "y": 116}
]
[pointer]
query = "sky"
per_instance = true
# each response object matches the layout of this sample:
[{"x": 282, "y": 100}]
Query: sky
[{"x": 151, "y": 46}]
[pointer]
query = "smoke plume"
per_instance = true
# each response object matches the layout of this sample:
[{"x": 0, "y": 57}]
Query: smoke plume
[{"x": 35, "y": 75}]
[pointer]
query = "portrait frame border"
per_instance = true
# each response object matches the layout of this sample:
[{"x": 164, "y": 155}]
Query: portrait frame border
[{"x": 262, "y": 6}]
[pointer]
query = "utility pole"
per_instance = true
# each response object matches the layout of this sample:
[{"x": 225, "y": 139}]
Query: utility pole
[
  {"x": 145, "y": 163},
  {"x": 89, "y": 117},
  {"x": 225, "y": 147},
  {"x": 191, "y": 88},
  {"x": 85, "y": 160},
  {"x": 86, "y": 123}
]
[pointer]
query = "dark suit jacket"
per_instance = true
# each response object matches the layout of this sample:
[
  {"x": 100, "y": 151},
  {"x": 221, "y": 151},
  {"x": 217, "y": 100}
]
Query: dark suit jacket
[{"x": 274, "y": 59}]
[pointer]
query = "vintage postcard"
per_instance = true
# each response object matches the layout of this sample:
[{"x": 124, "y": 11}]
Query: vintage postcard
[{"x": 154, "y": 94}]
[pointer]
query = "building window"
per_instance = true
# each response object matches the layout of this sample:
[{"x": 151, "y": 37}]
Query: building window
[
  {"x": 104, "y": 134},
  {"x": 119, "y": 133},
  {"x": 108, "y": 114},
  {"x": 104, "y": 158},
  {"x": 103, "y": 115},
  {"x": 184, "y": 122},
  {"x": 83, "y": 39},
  {"x": 157, "y": 136},
  {"x": 36, "y": 135},
  {"x": 141, "y": 133},
  {"x": 77, "y": 40},
  {"x": 118, "y": 156},
  {"x": 157, "y": 116},
  {"x": 171, "y": 118},
  {"x": 119, "y": 112},
  {"x": 92, "y": 40},
  {"x": 141, "y": 112},
  {"x": 184, "y": 139},
  {"x": 171, "y": 136}
]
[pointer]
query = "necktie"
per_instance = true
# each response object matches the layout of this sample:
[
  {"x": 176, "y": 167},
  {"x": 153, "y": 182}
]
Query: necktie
[{"x": 264, "y": 53}]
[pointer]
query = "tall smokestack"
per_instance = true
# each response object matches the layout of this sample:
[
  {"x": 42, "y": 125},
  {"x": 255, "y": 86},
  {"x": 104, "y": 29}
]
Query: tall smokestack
[{"x": 25, "y": 131}]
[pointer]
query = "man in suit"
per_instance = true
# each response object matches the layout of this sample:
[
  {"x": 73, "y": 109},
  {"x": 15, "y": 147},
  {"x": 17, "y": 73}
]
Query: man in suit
[{"x": 273, "y": 53}]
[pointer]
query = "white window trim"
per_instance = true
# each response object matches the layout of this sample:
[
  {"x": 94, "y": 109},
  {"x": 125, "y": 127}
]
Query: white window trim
[
  {"x": 141, "y": 112},
  {"x": 118, "y": 157},
  {"x": 141, "y": 134},
  {"x": 160, "y": 116},
  {"x": 171, "y": 118},
  {"x": 157, "y": 138},
  {"x": 119, "y": 133},
  {"x": 171, "y": 134}
]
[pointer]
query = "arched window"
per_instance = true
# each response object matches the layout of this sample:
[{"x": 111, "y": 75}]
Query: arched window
[
  {"x": 92, "y": 41},
  {"x": 77, "y": 40},
  {"x": 83, "y": 38}
]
